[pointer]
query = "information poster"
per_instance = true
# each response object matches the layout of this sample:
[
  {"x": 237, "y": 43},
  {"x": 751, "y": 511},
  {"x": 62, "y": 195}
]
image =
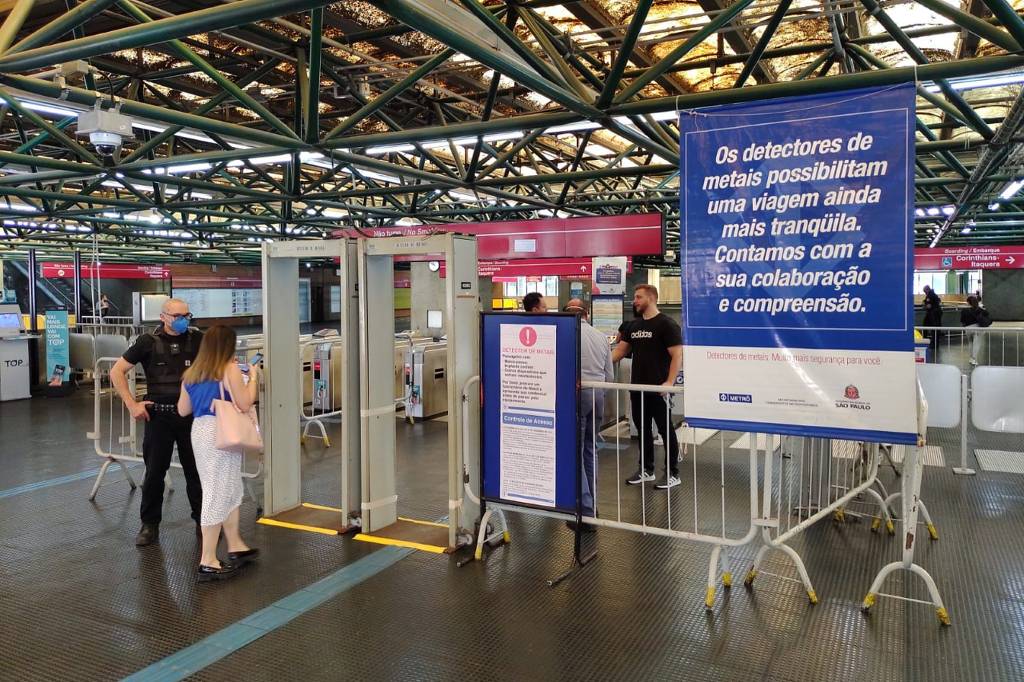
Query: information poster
[
  {"x": 797, "y": 236},
  {"x": 609, "y": 276},
  {"x": 528, "y": 392},
  {"x": 57, "y": 348},
  {"x": 529, "y": 379},
  {"x": 606, "y": 314}
]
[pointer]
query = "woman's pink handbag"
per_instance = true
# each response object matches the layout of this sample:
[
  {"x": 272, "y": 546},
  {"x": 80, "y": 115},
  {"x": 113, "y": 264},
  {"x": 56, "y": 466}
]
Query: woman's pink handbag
[{"x": 237, "y": 431}]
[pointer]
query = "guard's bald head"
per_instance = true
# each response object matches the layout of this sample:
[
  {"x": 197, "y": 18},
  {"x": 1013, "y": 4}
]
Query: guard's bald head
[{"x": 174, "y": 306}]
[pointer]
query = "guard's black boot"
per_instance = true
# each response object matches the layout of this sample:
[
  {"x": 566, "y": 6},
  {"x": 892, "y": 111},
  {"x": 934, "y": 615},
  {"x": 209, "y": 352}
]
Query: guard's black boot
[{"x": 148, "y": 535}]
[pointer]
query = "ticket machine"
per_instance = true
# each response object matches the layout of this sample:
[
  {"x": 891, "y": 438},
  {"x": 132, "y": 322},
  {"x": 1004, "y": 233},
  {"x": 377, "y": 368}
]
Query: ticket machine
[{"x": 15, "y": 381}]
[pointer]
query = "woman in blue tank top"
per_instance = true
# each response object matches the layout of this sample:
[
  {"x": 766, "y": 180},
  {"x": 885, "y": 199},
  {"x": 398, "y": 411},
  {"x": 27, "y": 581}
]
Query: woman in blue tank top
[{"x": 212, "y": 372}]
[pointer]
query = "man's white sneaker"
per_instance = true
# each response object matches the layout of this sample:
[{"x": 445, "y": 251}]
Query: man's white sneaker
[
  {"x": 666, "y": 483},
  {"x": 640, "y": 477}
]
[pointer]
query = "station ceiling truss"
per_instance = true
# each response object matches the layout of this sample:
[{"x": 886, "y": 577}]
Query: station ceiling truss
[{"x": 255, "y": 120}]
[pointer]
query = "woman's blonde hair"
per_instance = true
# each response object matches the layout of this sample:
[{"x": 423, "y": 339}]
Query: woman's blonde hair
[{"x": 215, "y": 352}]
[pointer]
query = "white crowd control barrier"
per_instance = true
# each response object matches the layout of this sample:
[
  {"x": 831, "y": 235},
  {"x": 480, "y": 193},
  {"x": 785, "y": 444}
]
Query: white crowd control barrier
[
  {"x": 116, "y": 436},
  {"x": 972, "y": 352},
  {"x": 114, "y": 433},
  {"x": 913, "y": 471},
  {"x": 788, "y": 483}
]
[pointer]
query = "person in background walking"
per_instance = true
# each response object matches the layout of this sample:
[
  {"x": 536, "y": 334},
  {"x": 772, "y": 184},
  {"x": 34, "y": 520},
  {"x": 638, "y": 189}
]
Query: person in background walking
[
  {"x": 104, "y": 307},
  {"x": 213, "y": 375},
  {"x": 657, "y": 346},
  {"x": 595, "y": 365},
  {"x": 974, "y": 316},
  {"x": 932, "y": 315}
]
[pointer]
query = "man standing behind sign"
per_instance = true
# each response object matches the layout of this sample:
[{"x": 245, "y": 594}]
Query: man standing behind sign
[
  {"x": 534, "y": 303},
  {"x": 595, "y": 365},
  {"x": 932, "y": 315},
  {"x": 657, "y": 347},
  {"x": 164, "y": 355}
]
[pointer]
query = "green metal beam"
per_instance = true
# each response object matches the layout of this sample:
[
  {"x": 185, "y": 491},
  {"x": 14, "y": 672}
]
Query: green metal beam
[
  {"x": 12, "y": 24},
  {"x": 809, "y": 70},
  {"x": 54, "y": 131},
  {"x": 394, "y": 91},
  {"x": 68, "y": 21},
  {"x": 414, "y": 15},
  {"x": 752, "y": 93},
  {"x": 1008, "y": 18},
  {"x": 316, "y": 23},
  {"x": 225, "y": 83},
  {"x": 162, "y": 114},
  {"x": 509, "y": 153},
  {"x": 208, "y": 106},
  {"x": 762, "y": 43},
  {"x": 636, "y": 24},
  {"x": 919, "y": 57},
  {"x": 942, "y": 104},
  {"x": 702, "y": 34},
  {"x": 162, "y": 30},
  {"x": 973, "y": 24},
  {"x": 512, "y": 40}
]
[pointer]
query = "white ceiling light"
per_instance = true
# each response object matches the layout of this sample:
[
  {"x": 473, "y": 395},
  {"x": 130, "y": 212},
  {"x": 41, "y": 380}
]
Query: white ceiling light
[
  {"x": 1011, "y": 189},
  {"x": 992, "y": 80}
]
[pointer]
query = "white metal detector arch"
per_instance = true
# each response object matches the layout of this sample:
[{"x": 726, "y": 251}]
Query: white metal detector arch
[
  {"x": 282, "y": 488},
  {"x": 376, "y": 359},
  {"x": 367, "y": 477}
]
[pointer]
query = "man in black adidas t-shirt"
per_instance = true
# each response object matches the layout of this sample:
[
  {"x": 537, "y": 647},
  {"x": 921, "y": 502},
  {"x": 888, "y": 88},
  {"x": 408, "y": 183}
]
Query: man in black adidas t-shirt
[{"x": 656, "y": 343}]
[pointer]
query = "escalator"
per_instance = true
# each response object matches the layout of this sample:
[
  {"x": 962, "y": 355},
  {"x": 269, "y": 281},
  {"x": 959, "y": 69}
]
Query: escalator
[{"x": 51, "y": 294}]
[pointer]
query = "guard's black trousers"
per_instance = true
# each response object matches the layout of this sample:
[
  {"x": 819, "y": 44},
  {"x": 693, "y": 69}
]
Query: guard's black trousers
[
  {"x": 163, "y": 430},
  {"x": 653, "y": 407}
]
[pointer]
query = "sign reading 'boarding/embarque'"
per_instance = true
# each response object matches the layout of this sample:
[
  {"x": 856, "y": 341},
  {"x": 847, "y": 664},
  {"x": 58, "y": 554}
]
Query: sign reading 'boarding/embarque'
[{"x": 796, "y": 220}]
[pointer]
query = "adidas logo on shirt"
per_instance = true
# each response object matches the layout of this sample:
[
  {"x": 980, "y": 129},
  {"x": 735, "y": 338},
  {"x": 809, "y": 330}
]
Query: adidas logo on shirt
[{"x": 642, "y": 334}]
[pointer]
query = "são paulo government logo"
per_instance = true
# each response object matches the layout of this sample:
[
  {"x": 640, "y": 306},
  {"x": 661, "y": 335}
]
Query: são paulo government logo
[{"x": 851, "y": 399}]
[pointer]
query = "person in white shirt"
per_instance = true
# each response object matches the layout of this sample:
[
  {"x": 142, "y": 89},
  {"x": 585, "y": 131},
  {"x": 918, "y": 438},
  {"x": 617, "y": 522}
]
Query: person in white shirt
[{"x": 595, "y": 365}]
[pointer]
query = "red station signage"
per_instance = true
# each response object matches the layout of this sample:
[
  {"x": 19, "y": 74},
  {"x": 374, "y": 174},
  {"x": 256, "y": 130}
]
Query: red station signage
[
  {"x": 509, "y": 270},
  {"x": 106, "y": 271},
  {"x": 969, "y": 258},
  {"x": 632, "y": 234}
]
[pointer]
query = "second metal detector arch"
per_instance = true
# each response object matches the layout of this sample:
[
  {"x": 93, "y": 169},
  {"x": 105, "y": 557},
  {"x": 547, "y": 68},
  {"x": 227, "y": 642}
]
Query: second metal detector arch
[{"x": 376, "y": 367}]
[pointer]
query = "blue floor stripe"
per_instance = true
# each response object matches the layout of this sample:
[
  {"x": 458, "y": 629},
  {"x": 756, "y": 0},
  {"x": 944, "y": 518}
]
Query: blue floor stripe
[
  {"x": 223, "y": 643},
  {"x": 29, "y": 487},
  {"x": 39, "y": 485}
]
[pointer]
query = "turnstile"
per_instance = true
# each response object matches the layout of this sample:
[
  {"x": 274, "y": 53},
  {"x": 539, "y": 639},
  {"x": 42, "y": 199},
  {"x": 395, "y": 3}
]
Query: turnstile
[{"x": 426, "y": 381}]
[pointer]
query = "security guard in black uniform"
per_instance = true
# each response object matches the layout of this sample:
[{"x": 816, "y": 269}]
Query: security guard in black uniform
[{"x": 164, "y": 355}]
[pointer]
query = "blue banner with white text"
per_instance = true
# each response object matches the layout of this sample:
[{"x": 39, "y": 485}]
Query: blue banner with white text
[{"x": 797, "y": 225}]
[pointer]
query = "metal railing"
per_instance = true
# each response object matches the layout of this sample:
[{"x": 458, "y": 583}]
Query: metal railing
[
  {"x": 116, "y": 435},
  {"x": 967, "y": 349},
  {"x": 791, "y": 483},
  {"x": 115, "y": 326}
]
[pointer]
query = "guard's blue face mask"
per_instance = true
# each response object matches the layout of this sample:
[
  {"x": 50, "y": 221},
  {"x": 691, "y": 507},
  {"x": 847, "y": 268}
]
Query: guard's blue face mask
[{"x": 180, "y": 325}]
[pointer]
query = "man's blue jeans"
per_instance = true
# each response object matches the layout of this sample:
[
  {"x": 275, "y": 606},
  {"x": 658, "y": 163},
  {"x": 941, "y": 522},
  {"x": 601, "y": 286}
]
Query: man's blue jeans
[{"x": 591, "y": 416}]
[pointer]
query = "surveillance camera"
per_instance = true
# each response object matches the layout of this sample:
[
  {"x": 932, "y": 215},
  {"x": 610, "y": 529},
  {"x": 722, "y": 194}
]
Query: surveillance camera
[
  {"x": 107, "y": 129},
  {"x": 106, "y": 144}
]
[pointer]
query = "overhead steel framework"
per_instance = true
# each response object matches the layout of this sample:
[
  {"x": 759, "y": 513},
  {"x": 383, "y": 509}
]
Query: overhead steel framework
[{"x": 260, "y": 119}]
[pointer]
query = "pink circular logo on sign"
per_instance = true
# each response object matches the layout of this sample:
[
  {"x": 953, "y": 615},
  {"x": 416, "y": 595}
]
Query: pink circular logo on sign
[{"x": 528, "y": 336}]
